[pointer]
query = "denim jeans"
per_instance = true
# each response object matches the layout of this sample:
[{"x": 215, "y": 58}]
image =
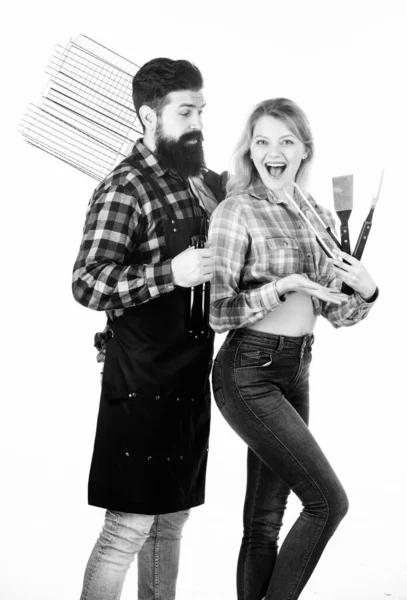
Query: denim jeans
[
  {"x": 260, "y": 384},
  {"x": 155, "y": 539}
]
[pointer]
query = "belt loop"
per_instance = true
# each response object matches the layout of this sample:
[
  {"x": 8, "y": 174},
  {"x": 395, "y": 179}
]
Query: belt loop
[
  {"x": 280, "y": 344},
  {"x": 229, "y": 339}
]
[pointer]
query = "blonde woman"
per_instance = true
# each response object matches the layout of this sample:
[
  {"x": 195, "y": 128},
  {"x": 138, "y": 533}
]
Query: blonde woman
[{"x": 271, "y": 282}]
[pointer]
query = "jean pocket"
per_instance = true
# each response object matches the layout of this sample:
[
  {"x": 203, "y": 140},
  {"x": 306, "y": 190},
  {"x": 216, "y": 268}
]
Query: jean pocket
[
  {"x": 217, "y": 384},
  {"x": 248, "y": 359}
]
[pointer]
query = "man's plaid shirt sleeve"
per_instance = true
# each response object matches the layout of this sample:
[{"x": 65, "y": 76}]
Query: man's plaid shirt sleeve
[{"x": 101, "y": 279}]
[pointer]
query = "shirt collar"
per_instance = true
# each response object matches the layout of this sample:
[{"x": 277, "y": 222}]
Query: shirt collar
[
  {"x": 261, "y": 192},
  {"x": 147, "y": 158}
]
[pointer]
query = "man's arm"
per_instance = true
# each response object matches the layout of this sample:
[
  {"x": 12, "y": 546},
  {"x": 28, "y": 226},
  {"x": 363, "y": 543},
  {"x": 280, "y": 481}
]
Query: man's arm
[{"x": 102, "y": 278}]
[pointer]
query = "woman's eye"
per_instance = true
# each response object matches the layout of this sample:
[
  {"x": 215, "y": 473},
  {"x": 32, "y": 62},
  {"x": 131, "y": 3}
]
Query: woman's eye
[
  {"x": 260, "y": 142},
  {"x": 185, "y": 114},
  {"x": 289, "y": 142}
]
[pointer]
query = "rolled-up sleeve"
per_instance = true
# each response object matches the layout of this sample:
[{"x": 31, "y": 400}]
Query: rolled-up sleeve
[
  {"x": 354, "y": 310},
  {"x": 101, "y": 278}
]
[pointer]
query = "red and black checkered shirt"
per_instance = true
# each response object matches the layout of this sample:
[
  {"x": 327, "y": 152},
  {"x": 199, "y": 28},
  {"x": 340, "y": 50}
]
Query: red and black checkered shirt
[{"x": 122, "y": 219}]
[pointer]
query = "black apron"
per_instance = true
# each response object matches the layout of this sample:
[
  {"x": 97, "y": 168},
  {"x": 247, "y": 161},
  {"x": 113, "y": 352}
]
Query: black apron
[{"x": 151, "y": 442}]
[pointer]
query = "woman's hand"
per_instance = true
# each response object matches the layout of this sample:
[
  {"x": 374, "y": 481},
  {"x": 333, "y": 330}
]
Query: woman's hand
[
  {"x": 354, "y": 274},
  {"x": 299, "y": 283}
]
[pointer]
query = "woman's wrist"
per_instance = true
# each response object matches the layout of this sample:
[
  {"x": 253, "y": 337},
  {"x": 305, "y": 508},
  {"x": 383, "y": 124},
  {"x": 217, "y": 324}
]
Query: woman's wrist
[
  {"x": 368, "y": 292},
  {"x": 370, "y": 297},
  {"x": 282, "y": 288}
]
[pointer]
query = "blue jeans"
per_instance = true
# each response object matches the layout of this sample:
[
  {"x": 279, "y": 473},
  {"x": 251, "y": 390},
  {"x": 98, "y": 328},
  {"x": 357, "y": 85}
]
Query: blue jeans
[
  {"x": 155, "y": 539},
  {"x": 260, "y": 384}
]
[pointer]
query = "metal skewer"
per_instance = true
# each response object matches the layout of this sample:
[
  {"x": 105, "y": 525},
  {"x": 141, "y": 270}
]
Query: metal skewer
[
  {"x": 367, "y": 225},
  {"x": 320, "y": 241},
  {"x": 326, "y": 227}
]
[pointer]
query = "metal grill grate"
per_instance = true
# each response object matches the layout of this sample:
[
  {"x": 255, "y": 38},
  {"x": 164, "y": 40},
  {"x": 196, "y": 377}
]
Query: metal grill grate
[{"x": 87, "y": 117}]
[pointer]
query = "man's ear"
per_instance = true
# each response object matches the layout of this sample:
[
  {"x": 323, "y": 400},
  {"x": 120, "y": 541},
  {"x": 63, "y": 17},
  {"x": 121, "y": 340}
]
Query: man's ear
[{"x": 148, "y": 117}]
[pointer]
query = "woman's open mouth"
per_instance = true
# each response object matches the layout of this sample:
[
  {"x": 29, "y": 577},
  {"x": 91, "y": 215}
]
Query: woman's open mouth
[{"x": 275, "y": 169}]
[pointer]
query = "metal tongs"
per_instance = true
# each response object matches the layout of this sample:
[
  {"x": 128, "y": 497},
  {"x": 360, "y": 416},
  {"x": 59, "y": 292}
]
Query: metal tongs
[
  {"x": 364, "y": 233},
  {"x": 320, "y": 241}
]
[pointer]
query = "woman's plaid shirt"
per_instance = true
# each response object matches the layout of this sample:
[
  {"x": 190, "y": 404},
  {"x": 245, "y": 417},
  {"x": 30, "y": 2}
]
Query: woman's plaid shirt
[
  {"x": 122, "y": 219},
  {"x": 258, "y": 239}
]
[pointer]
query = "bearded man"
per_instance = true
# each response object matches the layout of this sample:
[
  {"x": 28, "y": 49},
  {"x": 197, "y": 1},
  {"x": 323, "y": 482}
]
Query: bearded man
[{"x": 135, "y": 262}]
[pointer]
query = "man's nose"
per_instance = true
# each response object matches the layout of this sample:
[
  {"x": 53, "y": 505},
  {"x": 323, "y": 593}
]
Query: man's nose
[{"x": 196, "y": 123}]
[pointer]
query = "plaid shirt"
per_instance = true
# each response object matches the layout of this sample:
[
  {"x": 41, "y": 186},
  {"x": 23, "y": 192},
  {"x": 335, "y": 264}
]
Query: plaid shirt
[
  {"x": 257, "y": 239},
  {"x": 122, "y": 218}
]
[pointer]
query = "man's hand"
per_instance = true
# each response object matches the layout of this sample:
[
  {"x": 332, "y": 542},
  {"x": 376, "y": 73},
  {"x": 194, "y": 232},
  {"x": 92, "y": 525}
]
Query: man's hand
[{"x": 192, "y": 267}]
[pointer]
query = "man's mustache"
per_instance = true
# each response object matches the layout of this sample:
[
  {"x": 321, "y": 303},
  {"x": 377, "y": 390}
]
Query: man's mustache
[{"x": 191, "y": 135}]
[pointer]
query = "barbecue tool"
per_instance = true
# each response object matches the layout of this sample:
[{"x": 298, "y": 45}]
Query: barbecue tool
[
  {"x": 197, "y": 302},
  {"x": 87, "y": 117},
  {"x": 343, "y": 202},
  {"x": 364, "y": 233},
  {"x": 326, "y": 227},
  {"x": 320, "y": 241}
]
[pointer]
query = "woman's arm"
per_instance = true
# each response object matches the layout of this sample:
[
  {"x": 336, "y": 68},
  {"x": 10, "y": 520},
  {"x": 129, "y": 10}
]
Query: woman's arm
[
  {"x": 361, "y": 301},
  {"x": 233, "y": 306}
]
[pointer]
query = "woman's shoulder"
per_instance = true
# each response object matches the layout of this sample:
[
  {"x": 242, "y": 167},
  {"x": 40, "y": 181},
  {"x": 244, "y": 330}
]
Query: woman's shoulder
[{"x": 236, "y": 203}]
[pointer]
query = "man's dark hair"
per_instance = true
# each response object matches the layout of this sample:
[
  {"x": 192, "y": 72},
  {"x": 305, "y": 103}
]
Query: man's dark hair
[{"x": 159, "y": 77}]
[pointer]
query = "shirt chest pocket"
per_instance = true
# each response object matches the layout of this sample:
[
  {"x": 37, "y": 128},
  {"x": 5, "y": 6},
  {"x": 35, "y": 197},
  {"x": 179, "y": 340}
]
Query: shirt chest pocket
[{"x": 285, "y": 256}]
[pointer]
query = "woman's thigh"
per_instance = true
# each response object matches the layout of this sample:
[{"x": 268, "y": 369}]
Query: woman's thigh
[{"x": 255, "y": 401}]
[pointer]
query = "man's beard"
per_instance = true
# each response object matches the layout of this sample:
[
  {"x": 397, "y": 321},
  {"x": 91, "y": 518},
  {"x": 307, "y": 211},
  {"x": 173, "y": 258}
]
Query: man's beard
[{"x": 184, "y": 158}]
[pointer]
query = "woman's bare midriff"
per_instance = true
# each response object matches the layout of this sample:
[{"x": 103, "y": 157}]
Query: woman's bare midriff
[{"x": 295, "y": 317}]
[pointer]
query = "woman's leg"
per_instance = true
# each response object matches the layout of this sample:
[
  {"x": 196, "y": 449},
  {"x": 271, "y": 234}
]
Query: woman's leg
[
  {"x": 158, "y": 560},
  {"x": 254, "y": 398},
  {"x": 265, "y": 503},
  {"x": 122, "y": 536}
]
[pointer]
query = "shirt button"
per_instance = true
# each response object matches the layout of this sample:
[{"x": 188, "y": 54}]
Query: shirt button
[
  {"x": 301, "y": 227},
  {"x": 285, "y": 243},
  {"x": 309, "y": 255},
  {"x": 174, "y": 229}
]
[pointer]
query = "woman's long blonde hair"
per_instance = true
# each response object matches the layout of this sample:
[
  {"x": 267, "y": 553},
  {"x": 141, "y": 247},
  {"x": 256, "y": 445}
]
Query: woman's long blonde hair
[{"x": 245, "y": 173}]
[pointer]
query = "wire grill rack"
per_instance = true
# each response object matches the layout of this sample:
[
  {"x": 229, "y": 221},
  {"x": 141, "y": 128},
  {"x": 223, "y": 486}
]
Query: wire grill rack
[{"x": 86, "y": 118}]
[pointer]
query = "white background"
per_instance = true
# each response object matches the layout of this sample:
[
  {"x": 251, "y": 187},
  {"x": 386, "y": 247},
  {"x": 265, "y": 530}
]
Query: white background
[{"x": 345, "y": 64}]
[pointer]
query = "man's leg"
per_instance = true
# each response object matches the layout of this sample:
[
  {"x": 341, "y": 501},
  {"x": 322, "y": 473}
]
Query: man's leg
[
  {"x": 122, "y": 536},
  {"x": 158, "y": 560}
]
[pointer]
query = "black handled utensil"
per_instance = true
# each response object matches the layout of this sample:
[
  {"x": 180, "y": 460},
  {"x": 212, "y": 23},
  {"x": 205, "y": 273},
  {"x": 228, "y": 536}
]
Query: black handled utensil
[
  {"x": 367, "y": 225},
  {"x": 343, "y": 202}
]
